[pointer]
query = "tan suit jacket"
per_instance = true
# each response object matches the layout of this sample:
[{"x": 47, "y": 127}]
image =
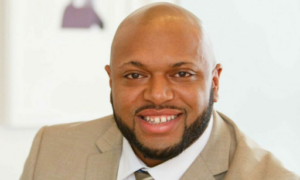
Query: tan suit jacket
[{"x": 91, "y": 151}]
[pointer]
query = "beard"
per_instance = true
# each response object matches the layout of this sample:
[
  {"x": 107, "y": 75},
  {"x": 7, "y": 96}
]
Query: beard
[{"x": 190, "y": 135}]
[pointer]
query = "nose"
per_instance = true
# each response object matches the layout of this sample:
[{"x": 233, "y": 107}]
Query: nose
[{"x": 158, "y": 90}]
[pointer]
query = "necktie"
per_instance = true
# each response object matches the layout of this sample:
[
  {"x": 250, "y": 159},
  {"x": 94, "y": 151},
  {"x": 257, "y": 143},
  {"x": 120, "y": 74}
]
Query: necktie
[{"x": 142, "y": 175}]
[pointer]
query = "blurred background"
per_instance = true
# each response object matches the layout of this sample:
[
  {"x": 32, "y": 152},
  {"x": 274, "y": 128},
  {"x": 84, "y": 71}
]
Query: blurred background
[{"x": 53, "y": 53}]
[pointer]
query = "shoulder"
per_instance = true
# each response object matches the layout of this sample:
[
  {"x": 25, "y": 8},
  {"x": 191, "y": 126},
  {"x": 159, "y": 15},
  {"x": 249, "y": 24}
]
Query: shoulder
[
  {"x": 91, "y": 127},
  {"x": 81, "y": 135},
  {"x": 67, "y": 146},
  {"x": 251, "y": 161}
]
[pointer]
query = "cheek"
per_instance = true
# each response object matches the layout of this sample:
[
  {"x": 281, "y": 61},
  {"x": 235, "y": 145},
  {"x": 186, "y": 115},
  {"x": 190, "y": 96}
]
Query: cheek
[
  {"x": 193, "y": 95},
  {"x": 195, "y": 98},
  {"x": 124, "y": 102},
  {"x": 126, "y": 99}
]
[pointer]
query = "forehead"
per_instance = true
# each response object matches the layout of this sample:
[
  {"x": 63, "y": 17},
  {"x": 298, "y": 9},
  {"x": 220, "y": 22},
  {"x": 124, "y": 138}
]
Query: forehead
[{"x": 158, "y": 42}]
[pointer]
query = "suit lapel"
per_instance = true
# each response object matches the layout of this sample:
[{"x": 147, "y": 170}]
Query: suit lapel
[
  {"x": 105, "y": 164},
  {"x": 198, "y": 171},
  {"x": 214, "y": 159}
]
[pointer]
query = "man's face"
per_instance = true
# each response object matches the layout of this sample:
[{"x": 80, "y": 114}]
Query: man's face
[{"x": 160, "y": 82}]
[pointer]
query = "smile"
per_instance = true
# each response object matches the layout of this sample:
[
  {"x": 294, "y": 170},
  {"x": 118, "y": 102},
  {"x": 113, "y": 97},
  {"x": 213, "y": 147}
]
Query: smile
[{"x": 159, "y": 119}]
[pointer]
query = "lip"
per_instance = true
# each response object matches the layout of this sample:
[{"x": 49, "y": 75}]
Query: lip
[
  {"x": 160, "y": 112},
  {"x": 160, "y": 128}
]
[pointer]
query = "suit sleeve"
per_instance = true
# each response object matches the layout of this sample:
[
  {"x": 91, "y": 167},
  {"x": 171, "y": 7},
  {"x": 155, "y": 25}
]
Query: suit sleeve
[{"x": 29, "y": 167}]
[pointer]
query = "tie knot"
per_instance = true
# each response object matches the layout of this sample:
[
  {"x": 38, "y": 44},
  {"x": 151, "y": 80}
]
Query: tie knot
[{"x": 142, "y": 175}]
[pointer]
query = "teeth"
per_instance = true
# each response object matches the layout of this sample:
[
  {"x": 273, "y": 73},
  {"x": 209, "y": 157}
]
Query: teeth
[{"x": 159, "y": 119}]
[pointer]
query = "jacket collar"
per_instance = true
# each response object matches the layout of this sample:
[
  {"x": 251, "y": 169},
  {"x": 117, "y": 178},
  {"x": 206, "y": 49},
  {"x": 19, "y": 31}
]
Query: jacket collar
[
  {"x": 214, "y": 159},
  {"x": 105, "y": 164}
]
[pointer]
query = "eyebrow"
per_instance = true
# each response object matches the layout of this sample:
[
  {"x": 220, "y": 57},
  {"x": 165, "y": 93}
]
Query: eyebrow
[
  {"x": 133, "y": 63},
  {"x": 138, "y": 64},
  {"x": 180, "y": 64}
]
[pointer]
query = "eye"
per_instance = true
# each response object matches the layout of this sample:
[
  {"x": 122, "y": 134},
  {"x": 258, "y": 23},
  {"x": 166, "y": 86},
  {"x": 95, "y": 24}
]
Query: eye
[
  {"x": 133, "y": 76},
  {"x": 183, "y": 74}
]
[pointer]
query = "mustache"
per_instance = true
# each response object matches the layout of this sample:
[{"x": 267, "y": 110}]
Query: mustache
[
  {"x": 151, "y": 106},
  {"x": 158, "y": 107}
]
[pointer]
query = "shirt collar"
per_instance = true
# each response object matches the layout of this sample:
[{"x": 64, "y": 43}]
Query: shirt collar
[{"x": 129, "y": 162}]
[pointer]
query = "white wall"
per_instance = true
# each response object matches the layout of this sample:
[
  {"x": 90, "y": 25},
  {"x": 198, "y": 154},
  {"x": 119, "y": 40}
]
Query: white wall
[
  {"x": 258, "y": 44},
  {"x": 55, "y": 75},
  {"x": 1, "y": 61}
]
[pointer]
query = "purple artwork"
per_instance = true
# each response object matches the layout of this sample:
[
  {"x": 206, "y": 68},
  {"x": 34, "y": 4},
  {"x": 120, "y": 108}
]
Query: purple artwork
[{"x": 83, "y": 17}]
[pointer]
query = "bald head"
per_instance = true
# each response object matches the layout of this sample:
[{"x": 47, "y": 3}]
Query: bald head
[
  {"x": 164, "y": 17},
  {"x": 161, "y": 13}
]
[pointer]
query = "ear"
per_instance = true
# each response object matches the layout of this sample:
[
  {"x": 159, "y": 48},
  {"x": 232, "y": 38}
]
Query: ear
[
  {"x": 107, "y": 69},
  {"x": 215, "y": 80}
]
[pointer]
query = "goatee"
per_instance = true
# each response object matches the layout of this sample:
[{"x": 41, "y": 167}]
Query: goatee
[{"x": 190, "y": 135}]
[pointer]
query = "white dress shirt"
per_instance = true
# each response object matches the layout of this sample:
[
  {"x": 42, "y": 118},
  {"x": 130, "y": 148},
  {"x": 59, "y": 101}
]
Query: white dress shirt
[{"x": 172, "y": 169}]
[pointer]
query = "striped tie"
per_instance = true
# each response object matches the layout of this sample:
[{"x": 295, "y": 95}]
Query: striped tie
[{"x": 142, "y": 175}]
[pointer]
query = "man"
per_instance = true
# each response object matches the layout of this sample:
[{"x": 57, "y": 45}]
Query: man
[{"x": 164, "y": 80}]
